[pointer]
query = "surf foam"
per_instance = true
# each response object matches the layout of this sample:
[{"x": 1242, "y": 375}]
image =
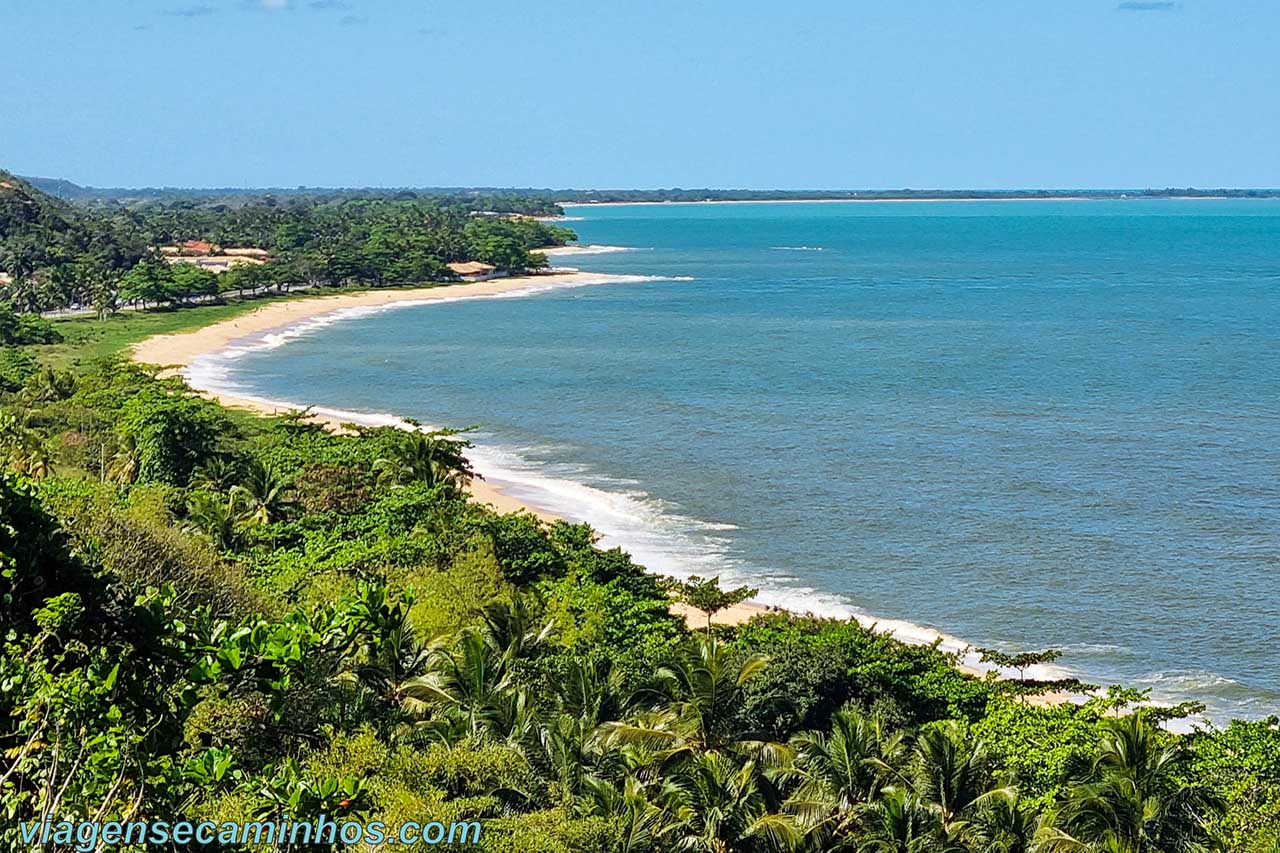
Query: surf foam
[{"x": 654, "y": 532}]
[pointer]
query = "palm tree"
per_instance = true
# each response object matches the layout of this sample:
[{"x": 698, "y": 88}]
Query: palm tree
[
  {"x": 25, "y": 451},
  {"x": 572, "y": 746},
  {"x": 464, "y": 685},
  {"x": 842, "y": 771},
  {"x": 706, "y": 689},
  {"x": 1008, "y": 824},
  {"x": 126, "y": 463},
  {"x": 593, "y": 691},
  {"x": 264, "y": 492},
  {"x": 701, "y": 694},
  {"x": 638, "y": 824},
  {"x": 897, "y": 822},
  {"x": 509, "y": 629},
  {"x": 434, "y": 458},
  {"x": 393, "y": 661},
  {"x": 33, "y": 460},
  {"x": 1134, "y": 797},
  {"x": 720, "y": 806},
  {"x": 952, "y": 776},
  {"x": 223, "y": 520},
  {"x": 219, "y": 474}
]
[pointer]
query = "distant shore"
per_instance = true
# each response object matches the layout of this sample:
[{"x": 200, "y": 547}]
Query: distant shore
[{"x": 899, "y": 200}]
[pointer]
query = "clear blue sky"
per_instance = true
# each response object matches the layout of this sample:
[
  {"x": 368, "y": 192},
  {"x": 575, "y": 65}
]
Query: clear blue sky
[{"x": 660, "y": 93}]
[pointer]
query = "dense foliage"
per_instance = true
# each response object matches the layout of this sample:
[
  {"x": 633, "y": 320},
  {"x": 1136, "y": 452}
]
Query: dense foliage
[
  {"x": 58, "y": 256},
  {"x": 211, "y": 616},
  {"x": 517, "y": 200}
]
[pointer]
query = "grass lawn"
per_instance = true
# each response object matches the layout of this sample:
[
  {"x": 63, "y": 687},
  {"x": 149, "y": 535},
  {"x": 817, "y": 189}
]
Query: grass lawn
[{"x": 88, "y": 338}]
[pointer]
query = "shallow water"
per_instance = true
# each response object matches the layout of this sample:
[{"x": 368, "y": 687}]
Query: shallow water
[{"x": 1024, "y": 424}]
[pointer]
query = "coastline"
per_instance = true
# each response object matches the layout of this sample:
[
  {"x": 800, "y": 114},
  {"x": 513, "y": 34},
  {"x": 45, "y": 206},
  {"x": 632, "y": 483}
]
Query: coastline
[
  {"x": 568, "y": 204},
  {"x": 178, "y": 352}
]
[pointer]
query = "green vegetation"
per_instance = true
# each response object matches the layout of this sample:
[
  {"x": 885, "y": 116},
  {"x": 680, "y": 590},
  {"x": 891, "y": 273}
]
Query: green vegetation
[
  {"x": 209, "y": 615},
  {"x": 58, "y": 256},
  {"x": 706, "y": 596},
  {"x": 513, "y": 200}
]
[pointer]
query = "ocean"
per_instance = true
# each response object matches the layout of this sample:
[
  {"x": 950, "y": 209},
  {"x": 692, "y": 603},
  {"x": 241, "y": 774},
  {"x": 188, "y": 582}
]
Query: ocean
[{"x": 1022, "y": 424}]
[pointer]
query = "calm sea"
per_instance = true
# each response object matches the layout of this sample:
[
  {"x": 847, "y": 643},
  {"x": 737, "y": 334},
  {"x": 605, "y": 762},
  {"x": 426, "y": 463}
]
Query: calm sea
[{"x": 1023, "y": 424}]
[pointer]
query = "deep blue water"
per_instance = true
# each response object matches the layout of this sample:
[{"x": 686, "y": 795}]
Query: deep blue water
[{"x": 1024, "y": 424}]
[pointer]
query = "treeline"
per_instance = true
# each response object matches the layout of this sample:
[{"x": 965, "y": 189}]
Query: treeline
[
  {"x": 228, "y": 619},
  {"x": 56, "y": 256},
  {"x": 530, "y": 202},
  {"x": 541, "y": 201},
  {"x": 677, "y": 194}
]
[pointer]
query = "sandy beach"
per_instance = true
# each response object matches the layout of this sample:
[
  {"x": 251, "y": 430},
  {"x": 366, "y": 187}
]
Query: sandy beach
[{"x": 177, "y": 351}]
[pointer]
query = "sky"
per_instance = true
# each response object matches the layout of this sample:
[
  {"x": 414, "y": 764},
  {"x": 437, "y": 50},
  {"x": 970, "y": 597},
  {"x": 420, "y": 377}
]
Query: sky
[{"x": 803, "y": 94}]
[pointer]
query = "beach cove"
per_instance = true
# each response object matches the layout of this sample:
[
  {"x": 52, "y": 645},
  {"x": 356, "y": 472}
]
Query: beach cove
[
  {"x": 177, "y": 352},
  {"x": 900, "y": 480}
]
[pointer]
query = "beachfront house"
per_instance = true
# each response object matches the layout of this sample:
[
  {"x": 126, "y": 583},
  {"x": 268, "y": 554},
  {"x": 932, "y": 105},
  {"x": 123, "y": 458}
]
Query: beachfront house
[
  {"x": 474, "y": 270},
  {"x": 216, "y": 263},
  {"x": 211, "y": 256}
]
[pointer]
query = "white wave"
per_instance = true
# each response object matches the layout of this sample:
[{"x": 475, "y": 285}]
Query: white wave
[
  {"x": 556, "y": 251},
  {"x": 798, "y": 248},
  {"x": 1183, "y": 682},
  {"x": 655, "y": 533}
]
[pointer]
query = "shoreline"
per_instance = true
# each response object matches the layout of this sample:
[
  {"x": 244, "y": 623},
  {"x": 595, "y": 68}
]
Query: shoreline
[
  {"x": 178, "y": 352},
  {"x": 967, "y": 199}
]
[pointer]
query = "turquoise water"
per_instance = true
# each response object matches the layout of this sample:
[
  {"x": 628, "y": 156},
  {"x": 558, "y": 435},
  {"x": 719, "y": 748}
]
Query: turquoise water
[{"x": 1023, "y": 424}]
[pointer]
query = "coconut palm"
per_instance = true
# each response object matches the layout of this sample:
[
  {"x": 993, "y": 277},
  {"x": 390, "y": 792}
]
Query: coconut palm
[
  {"x": 720, "y": 806},
  {"x": 218, "y": 474},
  {"x": 23, "y": 448},
  {"x": 463, "y": 687},
  {"x": 702, "y": 693},
  {"x": 572, "y": 746},
  {"x": 32, "y": 460},
  {"x": 1133, "y": 796},
  {"x": 706, "y": 687},
  {"x": 222, "y": 519},
  {"x": 951, "y": 774},
  {"x": 126, "y": 463},
  {"x": 434, "y": 458},
  {"x": 50, "y": 386},
  {"x": 898, "y": 821},
  {"x": 841, "y": 771},
  {"x": 1007, "y": 825},
  {"x": 510, "y": 629},
  {"x": 388, "y": 665},
  {"x": 593, "y": 691},
  {"x": 264, "y": 492},
  {"x": 638, "y": 824}
]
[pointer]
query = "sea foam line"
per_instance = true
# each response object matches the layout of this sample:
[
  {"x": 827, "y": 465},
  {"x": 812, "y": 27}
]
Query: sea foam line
[
  {"x": 589, "y": 249},
  {"x": 654, "y": 533}
]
